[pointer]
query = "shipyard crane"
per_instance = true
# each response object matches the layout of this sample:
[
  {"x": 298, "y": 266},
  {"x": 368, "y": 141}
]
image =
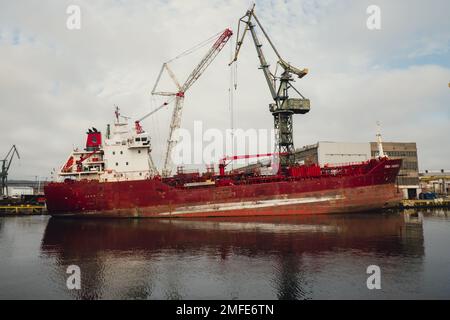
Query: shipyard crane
[
  {"x": 6, "y": 164},
  {"x": 284, "y": 106},
  {"x": 181, "y": 91}
]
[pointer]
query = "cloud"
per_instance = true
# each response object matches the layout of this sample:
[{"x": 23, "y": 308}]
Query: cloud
[{"x": 55, "y": 83}]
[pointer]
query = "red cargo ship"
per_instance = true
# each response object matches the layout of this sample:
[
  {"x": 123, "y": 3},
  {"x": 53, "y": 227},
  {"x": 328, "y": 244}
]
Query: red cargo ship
[
  {"x": 363, "y": 187},
  {"x": 116, "y": 177}
]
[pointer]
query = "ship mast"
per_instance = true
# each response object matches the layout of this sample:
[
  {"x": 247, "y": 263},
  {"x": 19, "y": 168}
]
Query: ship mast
[{"x": 379, "y": 141}]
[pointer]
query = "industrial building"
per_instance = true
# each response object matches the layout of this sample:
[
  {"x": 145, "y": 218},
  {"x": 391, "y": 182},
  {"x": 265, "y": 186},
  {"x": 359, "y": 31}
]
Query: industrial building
[
  {"x": 435, "y": 181},
  {"x": 18, "y": 191},
  {"x": 332, "y": 153},
  {"x": 18, "y": 188},
  {"x": 325, "y": 152}
]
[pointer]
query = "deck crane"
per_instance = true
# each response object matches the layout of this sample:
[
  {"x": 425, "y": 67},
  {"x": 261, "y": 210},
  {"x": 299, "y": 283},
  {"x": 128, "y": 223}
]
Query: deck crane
[
  {"x": 284, "y": 106},
  {"x": 6, "y": 163},
  {"x": 226, "y": 160},
  {"x": 182, "y": 88},
  {"x": 137, "y": 123}
]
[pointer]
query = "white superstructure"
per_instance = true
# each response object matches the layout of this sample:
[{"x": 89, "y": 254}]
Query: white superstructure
[{"x": 123, "y": 154}]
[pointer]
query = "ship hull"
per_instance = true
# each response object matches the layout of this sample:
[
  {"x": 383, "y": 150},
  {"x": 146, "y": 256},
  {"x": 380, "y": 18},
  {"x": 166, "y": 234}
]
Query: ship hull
[
  {"x": 155, "y": 199},
  {"x": 343, "y": 201}
]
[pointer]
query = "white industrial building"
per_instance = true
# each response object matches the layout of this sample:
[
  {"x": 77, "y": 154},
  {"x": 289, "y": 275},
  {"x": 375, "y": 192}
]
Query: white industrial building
[
  {"x": 325, "y": 152},
  {"x": 18, "y": 191}
]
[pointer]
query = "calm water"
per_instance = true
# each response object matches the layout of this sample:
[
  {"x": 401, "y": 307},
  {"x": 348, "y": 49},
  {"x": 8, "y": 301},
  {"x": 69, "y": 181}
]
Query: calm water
[{"x": 260, "y": 258}]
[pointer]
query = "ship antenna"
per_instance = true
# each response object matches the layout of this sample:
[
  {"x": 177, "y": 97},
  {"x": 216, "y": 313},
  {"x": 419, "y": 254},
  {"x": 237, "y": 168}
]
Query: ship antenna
[
  {"x": 117, "y": 113},
  {"x": 380, "y": 141}
]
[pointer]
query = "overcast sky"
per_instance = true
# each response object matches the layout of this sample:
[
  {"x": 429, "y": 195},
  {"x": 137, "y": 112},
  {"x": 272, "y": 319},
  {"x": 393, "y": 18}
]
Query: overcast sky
[{"x": 56, "y": 82}]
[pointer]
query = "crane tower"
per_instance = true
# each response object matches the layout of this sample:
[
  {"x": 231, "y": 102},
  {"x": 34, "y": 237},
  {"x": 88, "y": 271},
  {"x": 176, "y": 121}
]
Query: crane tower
[{"x": 6, "y": 163}]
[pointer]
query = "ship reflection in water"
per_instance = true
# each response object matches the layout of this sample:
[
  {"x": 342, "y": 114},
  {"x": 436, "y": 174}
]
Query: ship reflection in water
[{"x": 302, "y": 257}]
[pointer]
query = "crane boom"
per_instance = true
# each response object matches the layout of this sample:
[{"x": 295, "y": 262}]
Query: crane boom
[
  {"x": 247, "y": 156},
  {"x": 152, "y": 112},
  {"x": 208, "y": 58},
  {"x": 179, "y": 96}
]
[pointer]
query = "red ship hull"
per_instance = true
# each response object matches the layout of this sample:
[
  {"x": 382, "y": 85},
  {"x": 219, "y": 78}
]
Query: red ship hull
[{"x": 370, "y": 190}]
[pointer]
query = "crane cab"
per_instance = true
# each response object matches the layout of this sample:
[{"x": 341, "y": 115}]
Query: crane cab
[{"x": 295, "y": 105}]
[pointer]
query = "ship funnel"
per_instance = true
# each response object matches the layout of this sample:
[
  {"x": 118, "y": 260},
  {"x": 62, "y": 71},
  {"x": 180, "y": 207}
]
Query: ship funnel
[{"x": 93, "y": 140}]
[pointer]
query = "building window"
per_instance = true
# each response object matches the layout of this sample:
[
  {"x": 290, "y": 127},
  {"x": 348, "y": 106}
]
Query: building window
[
  {"x": 117, "y": 164},
  {"x": 139, "y": 151},
  {"x": 121, "y": 152},
  {"x": 114, "y": 153},
  {"x": 126, "y": 163}
]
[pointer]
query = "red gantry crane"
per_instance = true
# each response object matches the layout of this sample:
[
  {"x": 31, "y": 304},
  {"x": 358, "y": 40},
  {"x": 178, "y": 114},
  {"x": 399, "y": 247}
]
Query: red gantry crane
[{"x": 179, "y": 95}]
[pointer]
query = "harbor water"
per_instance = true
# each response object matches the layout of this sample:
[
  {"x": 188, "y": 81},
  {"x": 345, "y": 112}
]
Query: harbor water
[{"x": 304, "y": 257}]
